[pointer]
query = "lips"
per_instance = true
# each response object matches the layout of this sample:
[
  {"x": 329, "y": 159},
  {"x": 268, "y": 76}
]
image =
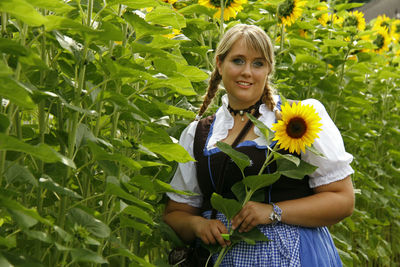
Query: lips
[{"x": 244, "y": 84}]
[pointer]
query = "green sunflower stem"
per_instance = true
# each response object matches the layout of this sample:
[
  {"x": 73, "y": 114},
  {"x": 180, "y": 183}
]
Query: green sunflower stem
[
  {"x": 282, "y": 38},
  {"x": 221, "y": 25}
]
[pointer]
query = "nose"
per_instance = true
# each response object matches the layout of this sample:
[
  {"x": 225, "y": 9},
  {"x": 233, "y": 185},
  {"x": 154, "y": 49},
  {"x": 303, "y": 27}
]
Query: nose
[{"x": 246, "y": 71}]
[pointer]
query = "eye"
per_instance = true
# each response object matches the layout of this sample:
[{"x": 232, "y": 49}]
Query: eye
[
  {"x": 258, "y": 64},
  {"x": 238, "y": 61}
]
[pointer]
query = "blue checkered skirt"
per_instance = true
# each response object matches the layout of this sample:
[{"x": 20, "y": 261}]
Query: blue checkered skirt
[{"x": 289, "y": 245}]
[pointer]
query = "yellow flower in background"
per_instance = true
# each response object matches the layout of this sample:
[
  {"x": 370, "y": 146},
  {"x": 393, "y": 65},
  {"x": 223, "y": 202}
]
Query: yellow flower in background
[
  {"x": 174, "y": 33},
  {"x": 290, "y": 10},
  {"x": 382, "y": 21},
  {"x": 335, "y": 19},
  {"x": 298, "y": 128},
  {"x": 395, "y": 31},
  {"x": 170, "y": 1},
  {"x": 324, "y": 17},
  {"x": 356, "y": 19},
  {"x": 232, "y": 7},
  {"x": 380, "y": 38}
]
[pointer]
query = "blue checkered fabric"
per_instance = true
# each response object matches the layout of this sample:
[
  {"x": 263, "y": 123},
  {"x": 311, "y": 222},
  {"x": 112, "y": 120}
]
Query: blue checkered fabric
[{"x": 282, "y": 250}]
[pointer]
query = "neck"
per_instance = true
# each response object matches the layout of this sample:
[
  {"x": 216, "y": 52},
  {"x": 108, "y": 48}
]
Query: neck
[{"x": 243, "y": 111}]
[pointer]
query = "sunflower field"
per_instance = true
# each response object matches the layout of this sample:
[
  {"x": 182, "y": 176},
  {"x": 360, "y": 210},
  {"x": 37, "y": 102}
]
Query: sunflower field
[{"x": 95, "y": 93}]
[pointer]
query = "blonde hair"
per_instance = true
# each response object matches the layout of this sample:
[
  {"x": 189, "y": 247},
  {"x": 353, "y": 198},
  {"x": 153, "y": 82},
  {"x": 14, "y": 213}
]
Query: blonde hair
[{"x": 255, "y": 38}]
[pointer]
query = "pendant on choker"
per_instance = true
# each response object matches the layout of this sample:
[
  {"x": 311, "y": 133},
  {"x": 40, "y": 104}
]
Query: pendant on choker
[{"x": 241, "y": 112}]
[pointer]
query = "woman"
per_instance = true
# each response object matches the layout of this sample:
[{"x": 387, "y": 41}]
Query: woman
[{"x": 294, "y": 213}]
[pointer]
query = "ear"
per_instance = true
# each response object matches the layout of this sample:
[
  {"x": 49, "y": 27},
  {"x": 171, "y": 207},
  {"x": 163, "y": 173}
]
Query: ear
[{"x": 219, "y": 65}]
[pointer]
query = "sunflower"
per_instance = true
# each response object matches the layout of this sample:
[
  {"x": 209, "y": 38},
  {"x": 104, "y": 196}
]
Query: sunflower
[
  {"x": 382, "y": 21},
  {"x": 298, "y": 128},
  {"x": 355, "y": 19},
  {"x": 290, "y": 10},
  {"x": 380, "y": 38},
  {"x": 395, "y": 30},
  {"x": 323, "y": 18},
  {"x": 232, "y": 7}
]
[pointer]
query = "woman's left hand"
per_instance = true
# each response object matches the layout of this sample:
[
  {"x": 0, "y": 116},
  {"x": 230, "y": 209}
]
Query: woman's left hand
[{"x": 251, "y": 215}]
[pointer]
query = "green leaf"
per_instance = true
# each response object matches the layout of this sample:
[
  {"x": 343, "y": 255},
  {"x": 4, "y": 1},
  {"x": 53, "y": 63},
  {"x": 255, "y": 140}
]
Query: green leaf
[
  {"x": 17, "y": 173},
  {"x": 101, "y": 154},
  {"x": 298, "y": 43},
  {"x": 307, "y": 59},
  {"x": 229, "y": 207},
  {"x": 335, "y": 43},
  {"x": 255, "y": 182},
  {"x": 171, "y": 152},
  {"x": 264, "y": 129},
  {"x": 14, "y": 206},
  {"x": 163, "y": 187},
  {"x": 25, "y": 221},
  {"x": 348, "y": 6},
  {"x": 53, "y": 5},
  {"x": 126, "y": 222},
  {"x": 192, "y": 73},
  {"x": 90, "y": 223},
  {"x": 241, "y": 160},
  {"x": 42, "y": 151},
  {"x": 25, "y": 12},
  {"x": 54, "y": 22},
  {"x": 312, "y": 149},
  {"x": 4, "y": 262},
  {"x": 135, "y": 4},
  {"x": 196, "y": 9},
  {"x": 166, "y": 16},
  {"x": 288, "y": 157},
  {"x": 86, "y": 255},
  {"x": 5, "y": 70},
  {"x": 16, "y": 93},
  {"x": 249, "y": 237},
  {"x": 113, "y": 187},
  {"x": 47, "y": 183},
  {"x": 39, "y": 235},
  {"x": 239, "y": 190},
  {"x": 138, "y": 213},
  {"x": 125, "y": 252},
  {"x": 142, "y": 28},
  {"x": 4, "y": 123},
  {"x": 171, "y": 110},
  {"x": 169, "y": 234},
  {"x": 290, "y": 169},
  {"x": 11, "y": 47},
  {"x": 9, "y": 241}
]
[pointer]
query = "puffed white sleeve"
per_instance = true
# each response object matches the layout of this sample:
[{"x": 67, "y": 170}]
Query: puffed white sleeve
[
  {"x": 185, "y": 176},
  {"x": 335, "y": 165}
]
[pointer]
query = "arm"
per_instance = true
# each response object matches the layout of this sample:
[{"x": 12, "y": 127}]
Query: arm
[
  {"x": 330, "y": 204},
  {"x": 189, "y": 224}
]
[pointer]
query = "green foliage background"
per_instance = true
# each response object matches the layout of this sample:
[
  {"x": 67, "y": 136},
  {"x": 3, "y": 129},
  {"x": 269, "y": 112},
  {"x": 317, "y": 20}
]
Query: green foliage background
[{"x": 95, "y": 93}]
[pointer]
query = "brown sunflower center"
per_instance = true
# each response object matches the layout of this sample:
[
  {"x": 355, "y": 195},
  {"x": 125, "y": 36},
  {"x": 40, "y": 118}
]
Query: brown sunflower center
[
  {"x": 379, "y": 41},
  {"x": 286, "y": 8},
  {"x": 217, "y": 3},
  {"x": 296, "y": 128}
]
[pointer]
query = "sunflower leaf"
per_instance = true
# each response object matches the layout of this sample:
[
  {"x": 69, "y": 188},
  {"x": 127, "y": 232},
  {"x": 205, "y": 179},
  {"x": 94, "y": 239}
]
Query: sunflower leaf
[
  {"x": 241, "y": 160},
  {"x": 255, "y": 182},
  {"x": 288, "y": 157},
  {"x": 265, "y": 130},
  {"x": 290, "y": 170},
  {"x": 229, "y": 207}
]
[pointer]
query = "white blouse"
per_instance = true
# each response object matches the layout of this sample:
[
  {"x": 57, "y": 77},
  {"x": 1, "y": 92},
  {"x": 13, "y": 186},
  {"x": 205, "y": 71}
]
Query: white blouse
[{"x": 333, "y": 167}]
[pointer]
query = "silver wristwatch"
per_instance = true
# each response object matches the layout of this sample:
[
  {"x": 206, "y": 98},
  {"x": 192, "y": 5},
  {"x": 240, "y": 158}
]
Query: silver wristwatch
[{"x": 276, "y": 214}]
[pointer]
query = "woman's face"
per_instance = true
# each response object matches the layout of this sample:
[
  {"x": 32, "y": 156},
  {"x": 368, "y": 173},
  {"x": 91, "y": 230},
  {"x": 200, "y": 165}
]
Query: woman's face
[{"x": 244, "y": 73}]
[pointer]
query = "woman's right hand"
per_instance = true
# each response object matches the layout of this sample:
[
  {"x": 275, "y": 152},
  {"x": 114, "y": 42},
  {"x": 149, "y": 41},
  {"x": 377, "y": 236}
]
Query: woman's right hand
[
  {"x": 188, "y": 223},
  {"x": 209, "y": 231}
]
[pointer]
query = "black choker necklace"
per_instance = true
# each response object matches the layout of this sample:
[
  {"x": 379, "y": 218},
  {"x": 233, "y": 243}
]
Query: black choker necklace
[{"x": 241, "y": 112}]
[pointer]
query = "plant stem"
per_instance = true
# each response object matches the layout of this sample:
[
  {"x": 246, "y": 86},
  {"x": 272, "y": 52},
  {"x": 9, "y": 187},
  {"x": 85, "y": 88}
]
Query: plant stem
[{"x": 221, "y": 25}]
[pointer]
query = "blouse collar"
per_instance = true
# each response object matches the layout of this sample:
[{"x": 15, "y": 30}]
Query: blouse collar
[{"x": 224, "y": 122}]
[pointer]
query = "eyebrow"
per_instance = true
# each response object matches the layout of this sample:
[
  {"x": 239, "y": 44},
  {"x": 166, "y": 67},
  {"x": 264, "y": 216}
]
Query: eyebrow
[{"x": 257, "y": 58}]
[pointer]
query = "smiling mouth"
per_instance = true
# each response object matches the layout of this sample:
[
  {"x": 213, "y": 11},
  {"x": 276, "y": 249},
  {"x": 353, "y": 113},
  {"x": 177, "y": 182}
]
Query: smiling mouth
[{"x": 244, "y": 83}]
